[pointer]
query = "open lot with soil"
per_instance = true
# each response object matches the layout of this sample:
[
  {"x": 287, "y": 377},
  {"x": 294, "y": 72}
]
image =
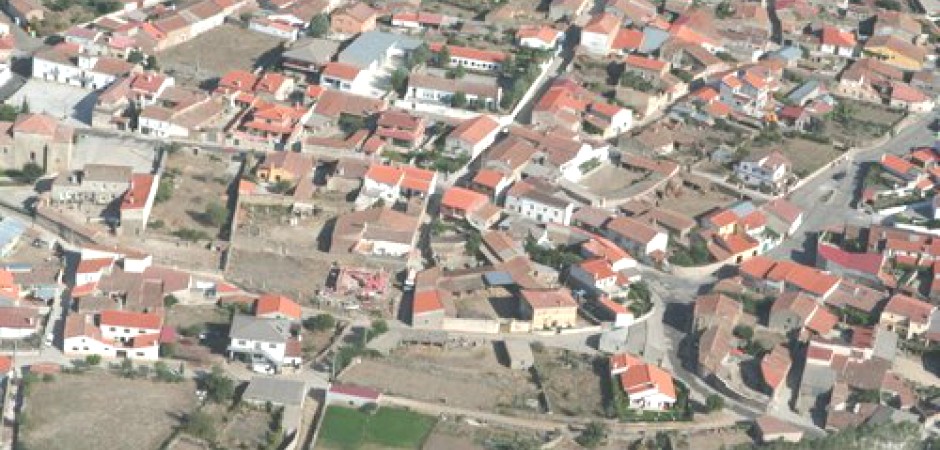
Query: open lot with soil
[
  {"x": 868, "y": 121},
  {"x": 464, "y": 377},
  {"x": 348, "y": 429},
  {"x": 98, "y": 410},
  {"x": 218, "y": 51},
  {"x": 574, "y": 382},
  {"x": 198, "y": 207},
  {"x": 61, "y": 101},
  {"x": 460, "y": 435},
  {"x": 807, "y": 156},
  {"x": 693, "y": 203},
  {"x": 613, "y": 180}
]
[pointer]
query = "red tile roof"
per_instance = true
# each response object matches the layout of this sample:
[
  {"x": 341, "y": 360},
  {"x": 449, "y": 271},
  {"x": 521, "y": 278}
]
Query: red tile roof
[
  {"x": 488, "y": 177},
  {"x": 642, "y": 377},
  {"x": 628, "y": 39},
  {"x": 463, "y": 200},
  {"x": 869, "y": 263},
  {"x": 129, "y": 319},
  {"x": 384, "y": 174},
  {"x": 271, "y": 304},
  {"x": 911, "y": 308},
  {"x": 340, "y": 70},
  {"x": 645, "y": 63},
  {"x": 775, "y": 366},
  {"x": 604, "y": 23},
  {"x": 457, "y": 51},
  {"x": 834, "y": 36},
  {"x": 475, "y": 130},
  {"x": 543, "y": 33},
  {"x": 427, "y": 301},
  {"x": 548, "y": 298},
  {"x": 896, "y": 164}
]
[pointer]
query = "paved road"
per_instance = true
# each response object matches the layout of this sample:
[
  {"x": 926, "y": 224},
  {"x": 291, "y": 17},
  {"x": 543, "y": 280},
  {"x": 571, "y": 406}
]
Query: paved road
[{"x": 827, "y": 201}]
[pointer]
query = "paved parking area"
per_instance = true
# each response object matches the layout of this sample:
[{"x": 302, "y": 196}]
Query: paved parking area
[
  {"x": 93, "y": 149},
  {"x": 58, "y": 100}
]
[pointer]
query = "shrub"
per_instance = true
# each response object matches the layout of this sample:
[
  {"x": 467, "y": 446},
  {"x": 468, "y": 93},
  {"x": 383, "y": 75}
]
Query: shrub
[
  {"x": 200, "y": 425},
  {"x": 320, "y": 322},
  {"x": 93, "y": 360}
]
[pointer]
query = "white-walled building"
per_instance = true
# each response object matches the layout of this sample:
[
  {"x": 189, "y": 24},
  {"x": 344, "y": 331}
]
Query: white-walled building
[
  {"x": 540, "y": 202},
  {"x": 472, "y": 136},
  {"x": 263, "y": 341},
  {"x": 118, "y": 334}
]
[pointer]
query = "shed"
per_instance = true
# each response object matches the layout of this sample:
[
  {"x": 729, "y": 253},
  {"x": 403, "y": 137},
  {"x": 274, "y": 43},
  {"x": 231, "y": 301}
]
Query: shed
[
  {"x": 280, "y": 392},
  {"x": 351, "y": 395},
  {"x": 519, "y": 353}
]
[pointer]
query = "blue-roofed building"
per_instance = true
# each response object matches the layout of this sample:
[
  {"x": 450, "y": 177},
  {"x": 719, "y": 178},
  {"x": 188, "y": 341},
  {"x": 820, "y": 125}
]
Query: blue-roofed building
[
  {"x": 11, "y": 230},
  {"x": 790, "y": 55},
  {"x": 373, "y": 49},
  {"x": 653, "y": 39},
  {"x": 805, "y": 93}
]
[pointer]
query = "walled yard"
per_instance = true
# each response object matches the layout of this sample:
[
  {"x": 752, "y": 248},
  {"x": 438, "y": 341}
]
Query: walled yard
[
  {"x": 141, "y": 413},
  {"x": 218, "y": 51},
  {"x": 463, "y": 377},
  {"x": 694, "y": 203},
  {"x": 867, "y": 121},
  {"x": 807, "y": 156},
  {"x": 197, "y": 208},
  {"x": 616, "y": 182},
  {"x": 575, "y": 383},
  {"x": 348, "y": 429}
]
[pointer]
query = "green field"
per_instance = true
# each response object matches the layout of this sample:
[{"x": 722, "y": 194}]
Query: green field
[{"x": 349, "y": 429}]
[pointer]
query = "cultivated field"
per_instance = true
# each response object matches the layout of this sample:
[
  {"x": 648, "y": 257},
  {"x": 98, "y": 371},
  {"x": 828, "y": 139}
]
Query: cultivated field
[
  {"x": 218, "y": 51},
  {"x": 463, "y": 377},
  {"x": 101, "y": 411},
  {"x": 349, "y": 429}
]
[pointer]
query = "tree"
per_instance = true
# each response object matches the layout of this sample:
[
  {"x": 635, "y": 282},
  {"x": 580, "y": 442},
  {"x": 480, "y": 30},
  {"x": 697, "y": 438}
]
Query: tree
[
  {"x": 714, "y": 402},
  {"x": 32, "y": 172},
  {"x": 744, "y": 332},
  {"x": 135, "y": 57},
  {"x": 215, "y": 214},
  {"x": 593, "y": 435},
  {"x": 457, "y": 73},
  {"x": 169, "y": 300},
  {"x": 443, "y": 57},
  {"x": 201, "y": 425},
  {"x": 281, "y": 186},
  {"x": 151, "y": 63},
  {"x": 24, "y": 107},
  {"x": 167, "y": 350},
  {"x": 219, "y": 388},
  {"x": 379, "y": 327},
  {"x": 724, "y": 10},
  {"x": 472, "y": 244},
  {"x": 319, "y": 26},
  {"x": 164, "y": 191},
  {"x": 8, "y": 113},
  {"x": 93, "y": 360},
  {"x": 459, "y": 100},
  {"x": 320, "y": 322},
  {"x": 399, "y": 79},
  {"x": 419, "y": 56}
]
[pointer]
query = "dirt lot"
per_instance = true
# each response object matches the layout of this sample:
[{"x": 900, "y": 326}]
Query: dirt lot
[
  {"x": 869, "y": 121},
  {"x": 806, "y": 155},
  {"x": 693, "y": 203},
  {"x": 218, "y": 51},
  {"x": 97, "y": 410},
  {"x": 198, "y": 182},
  {"x": 462, "y": 377},
  {"x": 611, "y": 179},
  {"x": 574, "y": 383},
  {"x": 488, "y": 304}
]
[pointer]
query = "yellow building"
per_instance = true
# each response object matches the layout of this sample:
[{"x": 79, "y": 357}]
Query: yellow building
[
  {"x": 548, "y": 308},
  {"x": 285, "y": 166},
  {"x": 896, "y": 52}
]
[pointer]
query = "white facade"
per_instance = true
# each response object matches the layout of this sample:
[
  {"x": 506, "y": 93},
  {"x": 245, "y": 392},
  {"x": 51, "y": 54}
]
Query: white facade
[
  {"x": 445, "y": 97},
  {"x": 377, "y": 190},
  {"x": 538, "y": 44},
  {"x": 272, "y": 29},
  {"x": 830, "y": 49},
  {"x": 596, "y": 43},
  {"x": 86, "y": 345},
  {"x": 389, "y": 248},
  {"x": 651, "y": 399},
  {"x": 620, "y": 123},
  {"x": 275, "y": 351},
  {"x": 753, "y": 173},
  {"x": 456, "y": 145},
  {"x": 151, "y": 126},
  {"x": 539, "y": 211},
  {"x": 124, "y": 333},
  {"x": 360, "y": 85},
  {"x": 16, "y": 332},
  {"x": 571, "y": 170}
]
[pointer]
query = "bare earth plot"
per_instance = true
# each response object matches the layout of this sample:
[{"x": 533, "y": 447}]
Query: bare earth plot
[
  {"x": 199, "y": 180},
  {"x": 218, "y": 51},
  {"x": 100, "y": 411},
  {"x": 573, "y": 385},
  {"x": 806, "y": 155},
  {"x": 463, "y": 377},
  {"x": 693, "y": 203},
  {"x": 610, "y": 179}
]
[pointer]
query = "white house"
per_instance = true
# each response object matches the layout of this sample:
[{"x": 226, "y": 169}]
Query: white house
[
  {"x": 18, "y": 322},
  {"x": 617, "y": 313},
  {"x": 472, "y": 136},
  {"x": 91, "y": 270},
  {"x": 599, "y": 33},
  {"x": 157, "y": 121},
  {"x": 121, "y": 334},
  {"x": 262, "y": 341},
  {"x": 571, "y": 169},
  {"x": 833, "y": 41},
  {"x": 538, "y": 201},
  {"x": 647, "y": 387},
  {"x": 747, "y": 92},
  {"x": 345, "y": 77},
  {"x": 472, "y": 58},
  {"x": 599, "y": 276},
  {"x": 769, "y": 170},
  {"x": 541, "y": 37},
  {"x": 276, "y": 28}
]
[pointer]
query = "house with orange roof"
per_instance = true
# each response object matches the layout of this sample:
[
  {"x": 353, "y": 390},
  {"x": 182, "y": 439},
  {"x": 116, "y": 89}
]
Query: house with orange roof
[
  {"x": 566, "y": 104},
  {"x": 113, "y": 334},
  {"x": 773, "y": 276},
  {"x": 390, "y": 183},
  {"x": 600, "y": 279},
  {"x": 833, "y": 41},
  {"x": 354, "y": 19},
  {"x": 273, "y": 306},
  {"x": 492, "y": 183},
  {"x": 472, "y": 136},
  {"x": 642, "y": 240},
  {"x": 471, "y": 58},
  {"x": 420, "y": 20},
  {"x": 618, "y": 314},
  {"x": 277, "y": 28},
  {"x": 646, "y": 67},
  {"x": 774, "y": 368},
  {"x": 427, "y": 309},
  {"x": 909, "y": 317},
  {"x": 345, "y": 77},
  {"x": 909, "y": 98},
  {"x": 646, "y": 386},
  {"x": 474, "y": 207},
  {"x": 748, "y": 92},
  {"x": 541, "y": 37},
  {"x": 793, "y": 311},
  {"x": 597, "y": 36},
  {"x": 713, "y": 309},
  {"x": 539, "y": 201}
]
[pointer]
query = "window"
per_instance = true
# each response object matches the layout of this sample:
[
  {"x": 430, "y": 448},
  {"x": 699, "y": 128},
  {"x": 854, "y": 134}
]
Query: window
[
  {"x": 113, "y": 329},
  {"x": 242, "y": 342},
  {"x": 74, "y": 349},
  {"x": 140, "y": 353},
  {"x": 272, "y": 345}
]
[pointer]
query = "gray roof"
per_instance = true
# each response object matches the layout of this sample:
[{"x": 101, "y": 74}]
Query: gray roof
[
  {"x": 312, "y": 50},
  {"x": 277, "y": 391},
  {"x": 653, "y": 38},
  {"x": 518, "y": 350},
  {"x": 259, "y": 329},
  {"x": 803, "y": 91},
  {"x": 372, "y": 46},
  {"x": 10, "y": 231}
]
